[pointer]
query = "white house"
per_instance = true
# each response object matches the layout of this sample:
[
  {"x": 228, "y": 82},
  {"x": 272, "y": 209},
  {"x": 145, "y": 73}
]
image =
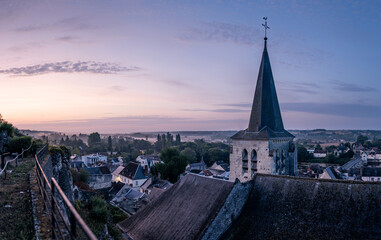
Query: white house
[
  {"x": 147, "y": 161},
  {"x": 133, "y": 175},
  {"x": 115, "y": 174},
  {"x": 320, "y": 153},
  {"x": 92, "y": 159}
]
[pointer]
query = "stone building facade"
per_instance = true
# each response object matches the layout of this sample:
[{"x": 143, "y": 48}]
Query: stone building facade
[{"x": 265, "y": 146}]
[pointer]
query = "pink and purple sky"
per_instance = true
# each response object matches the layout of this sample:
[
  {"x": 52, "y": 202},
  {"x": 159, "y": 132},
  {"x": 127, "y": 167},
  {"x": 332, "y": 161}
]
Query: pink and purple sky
[{"x": 128, "y": 66}]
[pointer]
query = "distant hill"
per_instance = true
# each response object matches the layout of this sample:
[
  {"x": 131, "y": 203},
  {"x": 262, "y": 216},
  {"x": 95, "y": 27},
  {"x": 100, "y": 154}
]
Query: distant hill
[{"x": 309, "y": 136}]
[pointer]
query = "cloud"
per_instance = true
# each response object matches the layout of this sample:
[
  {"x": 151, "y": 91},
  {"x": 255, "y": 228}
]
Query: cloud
[
  {"x": 72, "y": 23},
  {"x": 337, "y": 109},
  {"x": 67, "y": 39},
  {"x": 136, "y": 123},
  {"x": 240, "y": 105},
  {"x": 69, "y": 67},
  {"x": 349, "y": 87},
  {"x": 223, "y": 110},
  {"x": 222, "y": 32},
  {"x": 300, "y": 87}
]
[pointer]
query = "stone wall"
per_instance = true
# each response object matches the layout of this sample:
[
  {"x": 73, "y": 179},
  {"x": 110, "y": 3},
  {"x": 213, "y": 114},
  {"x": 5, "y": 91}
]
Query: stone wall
[
  {"x": 275, "y": 156},
  {"x": 100, "y": 181}
]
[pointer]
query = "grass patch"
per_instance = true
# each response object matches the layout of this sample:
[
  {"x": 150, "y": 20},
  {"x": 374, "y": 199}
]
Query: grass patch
[
  {"x": 16, "y": 214},
  {"x": 97, "y": 213}
]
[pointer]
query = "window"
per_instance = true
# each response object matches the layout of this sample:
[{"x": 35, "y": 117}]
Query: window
[
  {"x": 245, "y": 160},
  {"x": 253, "y": 161}
]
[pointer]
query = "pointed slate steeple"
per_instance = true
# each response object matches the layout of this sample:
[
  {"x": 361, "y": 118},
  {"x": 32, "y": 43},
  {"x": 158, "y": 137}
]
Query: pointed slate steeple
[
  {"x": 265, "y": 110},
  {"x": 265, "y": 119}
]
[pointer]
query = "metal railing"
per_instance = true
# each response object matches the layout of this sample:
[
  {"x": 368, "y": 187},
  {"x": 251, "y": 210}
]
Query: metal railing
[
  {"x": 61, "y": 228},
  {"x": 4, "y": 168}
]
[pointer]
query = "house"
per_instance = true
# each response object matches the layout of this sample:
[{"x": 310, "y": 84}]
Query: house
[
  {"x": 320, "y": 153},
  {"x": 128, "y": 199},
  {"x": 115, "y": 174},
  {"x": 196, "y": 166},
  {"x": 330, "y": 173},
  {"x": 147, "y": 161},
  {"x": 157, "y": 183},
  {"x": 99, "y": 177},
  {"x": 133, "y": 175},
  {"x": 93, "y": 159},
  {"x": 77, "y": 164},
  {"x": 371, "y": 174}
]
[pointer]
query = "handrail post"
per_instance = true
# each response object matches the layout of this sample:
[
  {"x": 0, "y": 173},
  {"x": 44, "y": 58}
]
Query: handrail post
[
  {"x": 52, "y": 215},
  {"x": 17, "y": 160}
]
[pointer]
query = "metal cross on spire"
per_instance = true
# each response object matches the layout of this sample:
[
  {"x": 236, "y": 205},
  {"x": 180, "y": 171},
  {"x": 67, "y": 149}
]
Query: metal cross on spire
[{"x": 265, "y": 26}]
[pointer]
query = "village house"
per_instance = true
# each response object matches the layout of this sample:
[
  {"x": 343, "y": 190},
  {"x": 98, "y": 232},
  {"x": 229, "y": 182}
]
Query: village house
[
  {"x": 370, "y": 174},
  {"x": 93, "y": 159},
  {"x": 128, "y": 199},
  {"x": 196, "y": 166},
  {"x": 320, "y": 153},
  {"x": 147, "y": 161},
  {"x": 99, "y": 177},
  {"x": 133, "y": 175},
  {"x": 157, "y": 183}
]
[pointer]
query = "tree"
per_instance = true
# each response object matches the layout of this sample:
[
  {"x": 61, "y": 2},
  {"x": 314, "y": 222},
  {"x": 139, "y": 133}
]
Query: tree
[
  {"x": 361, "y": 139},
  {"x": 6, "y": 126},
  {"x": 303, "y": 154},
  {"x": 190, "y": 154},
  {"x": 178, "y": 138},
  {"x": 109, "y": 141},
  {"x": 318, "y": 147},
  {"x": 94, "y": 139},
  {"x": 16, "y": 144},
  {"x": 174, "y": 164}
]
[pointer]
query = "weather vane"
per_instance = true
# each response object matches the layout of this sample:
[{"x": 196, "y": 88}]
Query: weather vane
[{"x": 266, "y": 27}]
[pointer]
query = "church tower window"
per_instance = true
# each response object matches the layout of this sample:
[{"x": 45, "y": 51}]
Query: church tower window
[
  {"x": 245, "y": 159},
  {"x": 253, "y": 161}
]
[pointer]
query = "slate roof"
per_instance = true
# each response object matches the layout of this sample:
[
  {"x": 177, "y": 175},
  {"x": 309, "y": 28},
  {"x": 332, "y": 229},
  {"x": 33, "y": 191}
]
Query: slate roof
[
  {"x": 265, "y": 119},
  {"x": 299, "y": 208},
  {"x": 371, "y": 172},
  {"x": 133, "y": 171},
  {"x": 98, "y": 170},
  {"x": 274, "y": 207},
  {"x": 184, "y": 211}
]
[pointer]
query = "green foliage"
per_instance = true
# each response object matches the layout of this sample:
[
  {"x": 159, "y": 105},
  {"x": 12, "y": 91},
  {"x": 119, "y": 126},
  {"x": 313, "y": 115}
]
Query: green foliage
[
  {"x": 83, "y": 175},
  {"x": 303, "y": 154},
  {"x": 98, "y": 209},
  {"x": 174, "y": 164},
  {"x": 8, "y": 127},
  {"x": 96, "y": 213},
  {"x": 16, "y": 144},
  {"x": 109, "y": 143},
  {"x": 348, "y": 154},
  {"x": 117, "y": 214},
  {"x": 361, "y": 139},
  {"x": 318, "y": 147},
  {"x": 190, "y": 154},
  {"x": 94, "y": 139}
]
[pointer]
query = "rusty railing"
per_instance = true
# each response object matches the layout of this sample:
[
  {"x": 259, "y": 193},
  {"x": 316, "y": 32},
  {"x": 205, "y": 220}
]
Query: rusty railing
[{"x": 61, "y": 228}]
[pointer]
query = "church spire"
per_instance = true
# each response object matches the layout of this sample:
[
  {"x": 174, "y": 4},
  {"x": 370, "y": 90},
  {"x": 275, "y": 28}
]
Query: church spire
[{"x": 265, "y": 111}]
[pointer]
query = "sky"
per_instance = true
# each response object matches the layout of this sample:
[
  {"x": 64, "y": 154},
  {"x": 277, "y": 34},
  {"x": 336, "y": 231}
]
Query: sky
[{"x": 120, "y": 66}]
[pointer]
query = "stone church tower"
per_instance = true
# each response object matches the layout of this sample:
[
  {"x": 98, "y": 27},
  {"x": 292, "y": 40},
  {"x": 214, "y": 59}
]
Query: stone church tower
[{"x": 265, "y": 146}]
